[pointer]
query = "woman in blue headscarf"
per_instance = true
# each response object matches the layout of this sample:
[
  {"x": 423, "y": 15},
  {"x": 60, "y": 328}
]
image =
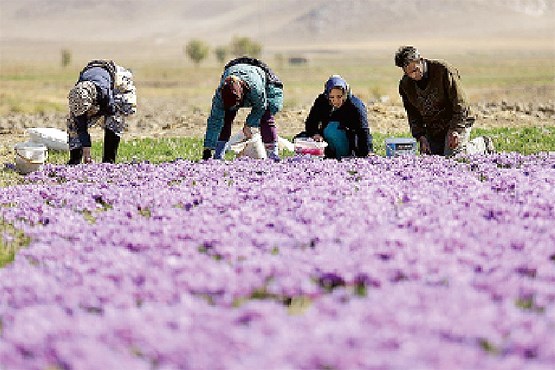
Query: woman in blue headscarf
[{"x": 339, "y": 118}]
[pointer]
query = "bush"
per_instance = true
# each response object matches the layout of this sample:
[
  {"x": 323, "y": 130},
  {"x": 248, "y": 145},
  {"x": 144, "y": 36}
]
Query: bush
[
  {"x": 221, "y": 53},
  {"x": 197, "y": 51},
  {"x": 245, "y": 46},
  {"x": 66, "y": 57}
]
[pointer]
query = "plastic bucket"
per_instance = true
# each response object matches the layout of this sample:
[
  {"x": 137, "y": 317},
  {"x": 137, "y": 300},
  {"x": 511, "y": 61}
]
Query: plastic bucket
[
  {"x": 308, "y": 146},
  {"x": 396, "y": 146},
  {"x": 29, "y": 156}
]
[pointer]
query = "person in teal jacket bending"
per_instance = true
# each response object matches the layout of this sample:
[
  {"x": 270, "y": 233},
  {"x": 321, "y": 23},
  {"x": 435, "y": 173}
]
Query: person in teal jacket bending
[{"x": 245, "y": 83}]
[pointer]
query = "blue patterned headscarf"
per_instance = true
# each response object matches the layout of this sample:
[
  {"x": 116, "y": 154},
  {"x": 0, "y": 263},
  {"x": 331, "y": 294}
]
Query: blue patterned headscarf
[{"x": 335, "y": 81}]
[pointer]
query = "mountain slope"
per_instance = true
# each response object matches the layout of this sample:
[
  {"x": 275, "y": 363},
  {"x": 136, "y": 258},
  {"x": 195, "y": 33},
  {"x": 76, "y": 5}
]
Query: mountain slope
[{"x": 278, "y": 24}]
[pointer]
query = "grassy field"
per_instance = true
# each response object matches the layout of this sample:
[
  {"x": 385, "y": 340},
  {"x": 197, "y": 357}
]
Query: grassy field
[
  {"x": 156, "y": 150},
  {"x": 522, "y": 140}
]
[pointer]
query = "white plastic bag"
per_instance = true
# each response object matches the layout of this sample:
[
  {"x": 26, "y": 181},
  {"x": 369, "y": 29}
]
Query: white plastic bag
[
  {"x": 253, "y": 147},
  {"x": 285, "y": 144},
  {"x": 51, "y": 137},
  {"x": 125, "y": 94}
]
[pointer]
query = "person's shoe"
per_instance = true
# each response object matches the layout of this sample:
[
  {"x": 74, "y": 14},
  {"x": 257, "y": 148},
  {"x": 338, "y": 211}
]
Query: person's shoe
[
  {"x": 273, "y": 156},
  {"x": 490, "y": 148},
  {"x": 272, "y": 150},
  {"x": 75, "y": 156},
  {"x": 206, "y": 154},
  {"x": 220, "y": 149}
]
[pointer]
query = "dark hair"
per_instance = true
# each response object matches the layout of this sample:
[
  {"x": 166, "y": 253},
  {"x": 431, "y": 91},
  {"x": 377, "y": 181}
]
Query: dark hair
[
  {"x": 405, "y": 55},
  {"x": 232, "y": 92}
]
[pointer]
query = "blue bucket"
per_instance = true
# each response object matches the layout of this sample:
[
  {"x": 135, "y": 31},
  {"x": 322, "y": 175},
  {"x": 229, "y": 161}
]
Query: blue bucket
[{"x": 396, "y": 146}]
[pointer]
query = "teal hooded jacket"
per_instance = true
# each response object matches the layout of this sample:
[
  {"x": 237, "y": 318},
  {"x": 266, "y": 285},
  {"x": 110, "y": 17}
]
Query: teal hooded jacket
[{"x": 259, "y": 96}]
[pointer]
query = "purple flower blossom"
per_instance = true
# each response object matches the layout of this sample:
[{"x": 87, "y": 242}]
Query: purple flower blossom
[{"x": 415, "y": 262}]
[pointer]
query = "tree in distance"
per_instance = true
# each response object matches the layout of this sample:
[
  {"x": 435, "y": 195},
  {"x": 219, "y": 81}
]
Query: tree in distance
[
  {"x": 197, "y": 51},
  {"x": 241, "y": 46}
]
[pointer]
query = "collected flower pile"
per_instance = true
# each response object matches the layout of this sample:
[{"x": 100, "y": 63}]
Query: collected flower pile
[{"x": 403, "y": 263}]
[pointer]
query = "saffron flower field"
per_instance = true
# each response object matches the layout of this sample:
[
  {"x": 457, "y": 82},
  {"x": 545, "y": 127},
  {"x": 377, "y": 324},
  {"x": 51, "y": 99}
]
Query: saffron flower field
[{"x": 377, "y": 263}]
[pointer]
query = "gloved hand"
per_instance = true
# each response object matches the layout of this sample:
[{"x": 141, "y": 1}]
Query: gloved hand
[
  {"x": 250, "y": 131},
  {"x": 87, "y": 155},
  {"x": 453, "y": 139},
  {"x": 424, "y": 145},
  {"x": 318, "y": 137},
  {"x": 206, "y": 153}
]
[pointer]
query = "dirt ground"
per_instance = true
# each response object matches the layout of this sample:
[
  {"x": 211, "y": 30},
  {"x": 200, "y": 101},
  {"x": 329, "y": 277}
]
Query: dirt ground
[{"x": 166, "y": 118}]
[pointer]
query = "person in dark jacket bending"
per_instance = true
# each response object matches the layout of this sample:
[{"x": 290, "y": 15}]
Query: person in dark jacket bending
[
  {"x": 90, "y": 100},
  {"x": 341, "y": 119}
]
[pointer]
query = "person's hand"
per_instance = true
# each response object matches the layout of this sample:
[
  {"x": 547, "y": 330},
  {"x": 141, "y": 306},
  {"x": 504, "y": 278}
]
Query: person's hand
[
  {"x": 453, "y": 139},
  {"x": 94, "y": 109},
  {"x": 87, "y": 155},
  {"x": 424, "y": 145},
  {"x": 318, "y": 137},
  {"x": 247, "y": 131},
  {"x": 206, "y": 153}
]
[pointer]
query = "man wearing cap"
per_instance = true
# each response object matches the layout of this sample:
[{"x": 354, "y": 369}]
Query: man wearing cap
[
  {"x": 90, "y": 100},
  {"x": 438, "y": 113},
  {"x": 340, "y": 118},
  {"x": 244, "y": 85}
]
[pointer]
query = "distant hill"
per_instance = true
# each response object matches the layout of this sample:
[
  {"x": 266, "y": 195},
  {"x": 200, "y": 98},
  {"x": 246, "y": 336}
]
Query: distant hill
[{"x": 162, "y": 27}]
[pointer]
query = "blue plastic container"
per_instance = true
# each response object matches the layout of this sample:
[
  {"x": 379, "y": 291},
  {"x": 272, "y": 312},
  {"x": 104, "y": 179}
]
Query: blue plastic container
[{"x": 395, "y": 146}]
